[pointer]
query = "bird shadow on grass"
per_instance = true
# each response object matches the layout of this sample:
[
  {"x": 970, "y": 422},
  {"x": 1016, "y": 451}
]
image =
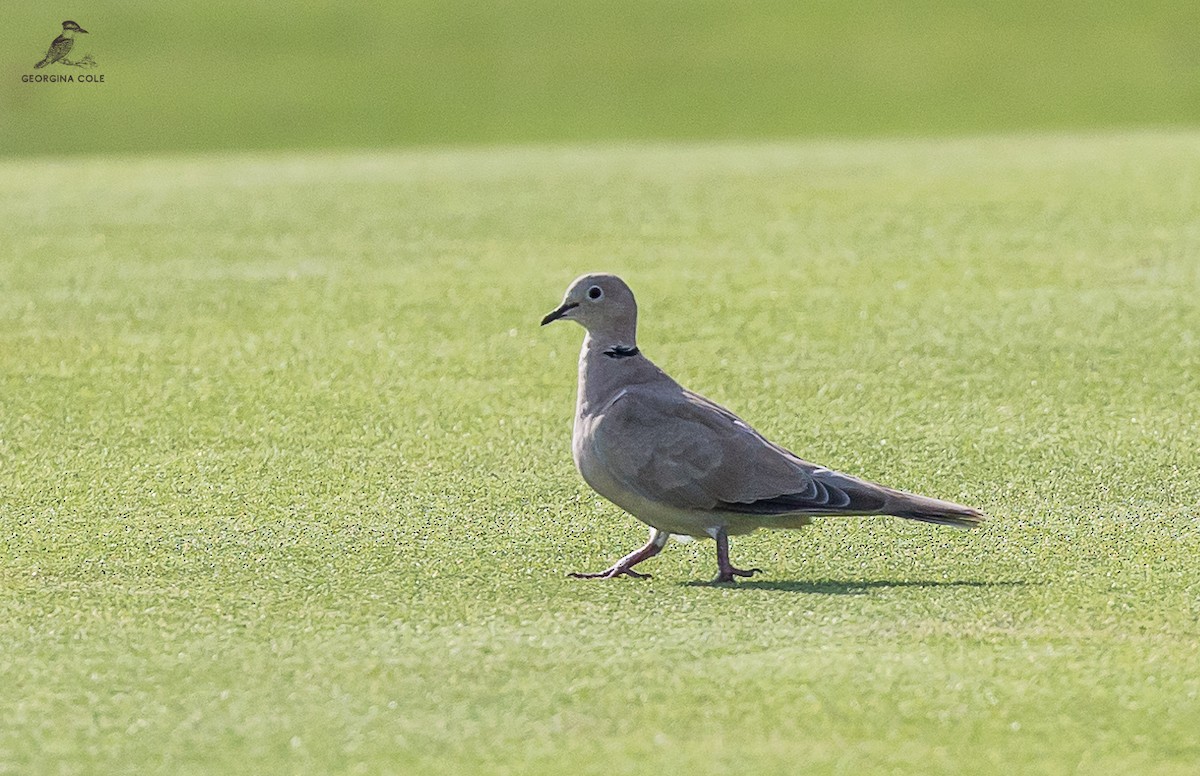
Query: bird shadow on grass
[{"x": 850, "y": 586}]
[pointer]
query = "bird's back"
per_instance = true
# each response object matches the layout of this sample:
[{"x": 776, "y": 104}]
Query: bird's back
[{"x": 58, "y": 49}]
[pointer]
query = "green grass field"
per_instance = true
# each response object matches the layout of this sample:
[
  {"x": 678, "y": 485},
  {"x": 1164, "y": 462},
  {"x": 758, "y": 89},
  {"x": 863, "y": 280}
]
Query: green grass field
[
  {"x": 365, "y": 74},
  {"x": 285, "y": 477}
]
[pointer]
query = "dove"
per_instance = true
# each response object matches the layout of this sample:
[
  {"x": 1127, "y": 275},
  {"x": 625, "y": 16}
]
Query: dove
[{"x": 686, "y": 466}]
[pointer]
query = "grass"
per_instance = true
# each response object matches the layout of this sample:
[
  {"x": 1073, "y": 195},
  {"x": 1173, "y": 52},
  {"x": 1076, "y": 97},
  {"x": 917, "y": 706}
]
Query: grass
[
  {"x": 361, "y": 73},
  {"x": 285, "y": 482}
]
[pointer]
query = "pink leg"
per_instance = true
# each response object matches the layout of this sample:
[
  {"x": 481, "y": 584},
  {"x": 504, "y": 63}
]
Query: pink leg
[
  {"x": 726, "y": 572},
  {"x": 624, "y": 567}
]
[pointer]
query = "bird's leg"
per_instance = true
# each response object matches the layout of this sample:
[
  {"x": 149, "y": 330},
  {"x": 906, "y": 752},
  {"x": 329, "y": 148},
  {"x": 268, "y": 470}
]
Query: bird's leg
[
  {"x": 726, "y": 572},
  {"x": 624, "y": 567}
]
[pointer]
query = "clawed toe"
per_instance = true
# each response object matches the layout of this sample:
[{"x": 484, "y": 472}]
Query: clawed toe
[
  {"x": 624, "y": 567},
  {"x": 612, "y": 573},
  {"x": 726, "y": 571},
  {"x": 731, "y": 574}
]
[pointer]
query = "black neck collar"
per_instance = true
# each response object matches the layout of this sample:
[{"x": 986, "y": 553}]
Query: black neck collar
[{"x": 622, "y": 351}]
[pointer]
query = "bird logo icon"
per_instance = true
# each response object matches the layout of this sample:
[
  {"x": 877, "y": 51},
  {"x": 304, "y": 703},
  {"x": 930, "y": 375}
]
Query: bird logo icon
[{"x": 62, "y": 46}]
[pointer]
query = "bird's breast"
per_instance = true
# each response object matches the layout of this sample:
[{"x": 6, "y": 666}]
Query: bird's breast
[{"x": 589, "y": 460}]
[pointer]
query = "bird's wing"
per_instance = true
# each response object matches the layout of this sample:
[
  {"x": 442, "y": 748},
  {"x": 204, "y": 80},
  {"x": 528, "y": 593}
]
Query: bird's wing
[
  {"x": 677, "y": 448},
  {"x": 59, "y": 49}
]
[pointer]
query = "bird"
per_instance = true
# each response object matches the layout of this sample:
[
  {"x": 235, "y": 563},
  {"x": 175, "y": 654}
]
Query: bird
[
  {"x": 62, "y": 44},
  {"x": 685, "y": 465}
]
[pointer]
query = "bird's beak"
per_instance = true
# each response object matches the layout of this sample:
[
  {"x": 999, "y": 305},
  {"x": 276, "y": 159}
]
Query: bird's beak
[
  {"x": 82, "y": 29},
  {"x": 563, "y": 309}
]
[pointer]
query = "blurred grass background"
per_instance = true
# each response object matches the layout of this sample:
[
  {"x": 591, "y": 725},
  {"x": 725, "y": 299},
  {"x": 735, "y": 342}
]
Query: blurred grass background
[{"x": 224, "y": 75}]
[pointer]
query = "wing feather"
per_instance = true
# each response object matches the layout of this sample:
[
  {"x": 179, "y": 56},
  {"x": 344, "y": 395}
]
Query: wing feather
[
  {"x": 678, "y": 448},
  {"x": 61, "y": 46}
]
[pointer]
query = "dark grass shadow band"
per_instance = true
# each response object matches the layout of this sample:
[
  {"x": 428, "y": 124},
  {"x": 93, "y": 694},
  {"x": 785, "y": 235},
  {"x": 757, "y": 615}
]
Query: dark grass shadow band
[{"x": 852, "y": 587}]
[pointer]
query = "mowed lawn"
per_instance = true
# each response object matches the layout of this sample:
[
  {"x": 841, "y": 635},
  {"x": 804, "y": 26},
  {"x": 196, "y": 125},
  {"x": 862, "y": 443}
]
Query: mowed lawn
[
  {"x": 285, "y": 476},
  {"x": 362, "y": 74}
]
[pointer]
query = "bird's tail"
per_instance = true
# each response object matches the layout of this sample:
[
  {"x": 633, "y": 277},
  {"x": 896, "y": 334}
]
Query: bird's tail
[
  {"x": 43, "y": 63},
  {"x": 931, "y": 510}
]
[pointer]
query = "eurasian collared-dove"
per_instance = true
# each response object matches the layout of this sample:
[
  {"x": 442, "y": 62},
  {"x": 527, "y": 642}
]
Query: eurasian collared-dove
[{"x": 685, "y": 465}]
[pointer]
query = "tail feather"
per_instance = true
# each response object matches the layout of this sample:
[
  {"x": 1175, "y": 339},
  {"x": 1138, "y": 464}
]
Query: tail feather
[{"x": 932, "y": 510}]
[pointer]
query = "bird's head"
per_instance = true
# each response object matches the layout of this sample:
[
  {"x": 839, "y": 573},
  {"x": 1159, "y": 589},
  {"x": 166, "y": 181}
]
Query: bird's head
[
  {"x": 70, "y": 26},
  {"x": 602, "y": 304}
]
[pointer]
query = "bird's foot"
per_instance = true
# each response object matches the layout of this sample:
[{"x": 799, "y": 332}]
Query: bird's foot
[
  {"x": 624, "y": 567},
  {"x": 611, "y": 573},
  {"x": 730, "y": 574}
]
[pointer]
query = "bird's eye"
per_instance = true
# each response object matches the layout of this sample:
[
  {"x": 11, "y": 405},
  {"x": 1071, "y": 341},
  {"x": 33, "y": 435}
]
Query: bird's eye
[{"x": 595, "y": 293}]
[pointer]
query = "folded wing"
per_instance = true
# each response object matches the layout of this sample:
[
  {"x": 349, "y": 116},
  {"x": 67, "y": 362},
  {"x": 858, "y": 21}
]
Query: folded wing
[{"x": 678, "y": 448}]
